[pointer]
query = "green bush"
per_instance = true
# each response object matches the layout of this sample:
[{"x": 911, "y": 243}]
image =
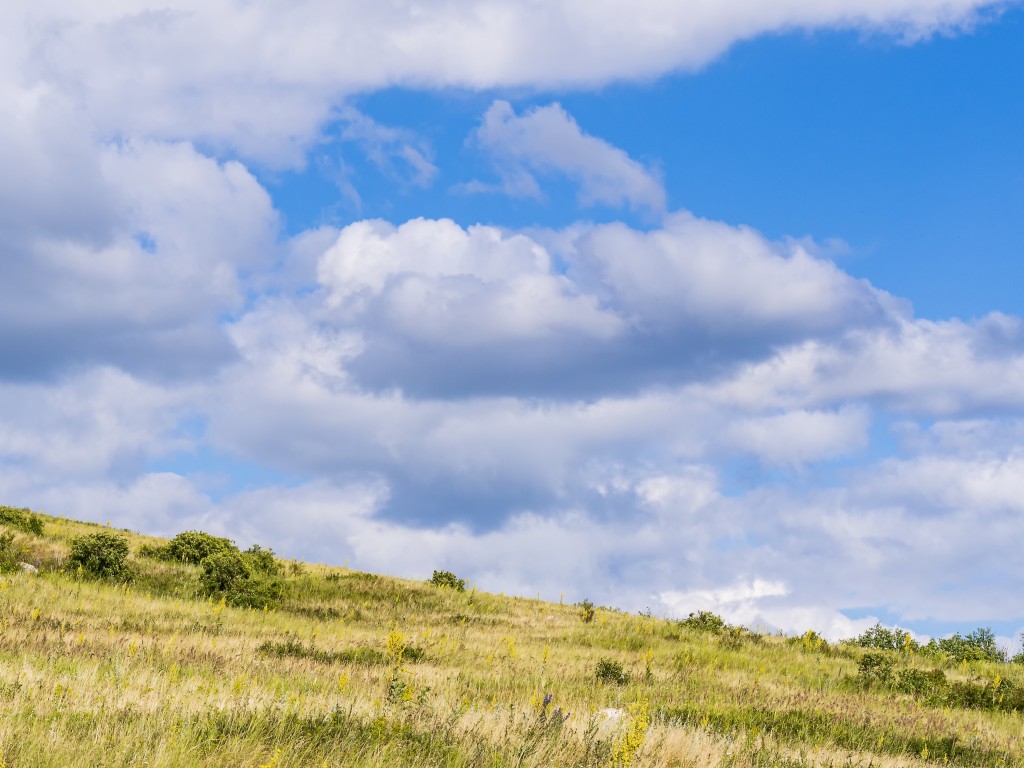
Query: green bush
[
  {"x": 11, "y": 553},
  {"x": 262, "y": 560},
  {"x": 875, "y": 668},
  {"x": 885, "y": 639},
  {"x": 930, "y": 684},
  {"x": 609, "y": 671},
  {"x": 704, "y": 621},
  {"x": 979, "y": 645},
  {"x": 449, "y": 580},
  {"x": 258, "y": 591},
  {"x": 195, "y": 546},
  {"x": 223, "y": 570},
  {"x": 103, "y": 555},
  {"x": 23, "y": 519},
  {"x": 231, "y": 576}
]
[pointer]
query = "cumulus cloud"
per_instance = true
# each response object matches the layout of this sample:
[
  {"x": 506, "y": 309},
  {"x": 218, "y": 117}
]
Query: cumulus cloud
[
  {"x": 143, "y": 284},
  {"x": 547, "y": 140},
  {"x": 444, "y": 310},
  {"x": 797, "y": 436},
  {"x": 543, "y": 410},
  {"x": 921, "y": 367},
  {"x": 262, "y": 78}
]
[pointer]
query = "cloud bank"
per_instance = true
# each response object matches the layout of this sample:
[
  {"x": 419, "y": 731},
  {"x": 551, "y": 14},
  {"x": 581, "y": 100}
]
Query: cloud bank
[{"x": 684, "y": 415}]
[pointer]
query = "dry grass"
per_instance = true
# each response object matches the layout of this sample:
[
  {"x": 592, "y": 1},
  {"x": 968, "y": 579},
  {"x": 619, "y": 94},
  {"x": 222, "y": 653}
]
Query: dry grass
[{"x": 98, "y": 674}]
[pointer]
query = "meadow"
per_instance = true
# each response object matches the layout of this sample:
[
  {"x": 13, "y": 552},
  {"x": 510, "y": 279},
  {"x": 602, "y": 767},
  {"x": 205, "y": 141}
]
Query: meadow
[{"x": 263, "y": 663}]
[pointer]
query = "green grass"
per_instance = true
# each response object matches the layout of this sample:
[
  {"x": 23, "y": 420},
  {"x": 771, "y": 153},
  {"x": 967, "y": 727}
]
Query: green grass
[{"x": 356, "y": 669}]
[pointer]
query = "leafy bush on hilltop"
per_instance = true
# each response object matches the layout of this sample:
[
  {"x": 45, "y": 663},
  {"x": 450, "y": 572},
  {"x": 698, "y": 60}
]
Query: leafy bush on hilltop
[
  {"x": 704, "y": 621},
  {"x": 193, "y": 547},
  {"x": 262, "y": 560},
  {"x": 448, "y": 579},
  {"x": 979, "y": 645},
  {"x": 22, "y": 518},
  {"x": 232, "y": 576},
  {"x": 885, "y": 639},
  {"x": 103, "y": 555}
]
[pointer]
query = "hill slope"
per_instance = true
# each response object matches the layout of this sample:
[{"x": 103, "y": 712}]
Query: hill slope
[{"x": 355, "y": 669}]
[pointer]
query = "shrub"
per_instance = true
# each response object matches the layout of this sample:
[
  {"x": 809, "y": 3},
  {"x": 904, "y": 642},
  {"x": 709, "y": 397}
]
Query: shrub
[
  {"x": 609, "y": 671},
  {"x": 11, "y": 553},
  {"x": 587, "y": 611},
  {"x": 811, "y": 641},
  {"x": 223, "y": 570},
  {"x": 875, "y": 668},
  {"x": 979, "y": 645},
  {"x": 195, "y": 546},
  {"x": 885, "y": 639},
  {"x": 256, "y": 592},
  {"x": 103, "y": 555},
  {"x": 704, "y": 621},
  {"x": 230, "y": 575},
  {"x": 23, "y": 519},
  {"x": 262, "y": 560},
  {"x": 448, "y": 579},
  {"x": 929, "y": 684}
]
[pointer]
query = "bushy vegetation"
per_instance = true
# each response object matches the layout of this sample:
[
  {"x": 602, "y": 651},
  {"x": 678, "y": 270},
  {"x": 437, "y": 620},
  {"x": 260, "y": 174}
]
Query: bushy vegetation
[
  {"x": 191, "y": 547},
  {"x": 22, "y": 519},
  {"x": 979, "y": 645},
  {"x": 610, "y": 671},
  {"x": 187, "y": 665},
  {"x": 884, "y": 638},
  {"x": 11, "y": 553},
  {"x": 704, "y": 621},
  {"x": 587, "y": 611},
  {"x": 102, "y": 555},
  {"x": 448, "y": 580}
]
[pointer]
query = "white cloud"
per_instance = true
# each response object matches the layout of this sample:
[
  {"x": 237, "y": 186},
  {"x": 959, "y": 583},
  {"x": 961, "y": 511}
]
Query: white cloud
[
  {"x": 100, "y": 421},
  {"x": 547, "y": 140},
  {"x": 798, "y": 436},
  {"x": 144, "y": 284},
  {"x": 916, "y": 366},
  {"x": 262, "y": 78},
  {"x": 428, "y": 278},
  {"x": 442, "y": 309}
]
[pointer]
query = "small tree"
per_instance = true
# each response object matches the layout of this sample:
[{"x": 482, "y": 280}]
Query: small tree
[{"x": 103, "y": 555}]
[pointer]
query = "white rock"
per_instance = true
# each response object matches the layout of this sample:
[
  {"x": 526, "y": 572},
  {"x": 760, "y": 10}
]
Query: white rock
[{"x": 28, "y": 568}]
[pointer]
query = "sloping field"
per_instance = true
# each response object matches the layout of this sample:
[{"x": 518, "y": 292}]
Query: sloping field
[{"x": 164, "y": 665}]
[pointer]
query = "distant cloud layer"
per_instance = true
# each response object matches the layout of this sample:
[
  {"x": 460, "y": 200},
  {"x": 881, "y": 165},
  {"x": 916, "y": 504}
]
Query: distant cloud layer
[{"x": 599, "y": 409}]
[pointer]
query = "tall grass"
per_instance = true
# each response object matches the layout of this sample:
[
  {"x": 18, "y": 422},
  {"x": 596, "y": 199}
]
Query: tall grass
[{"x": 356, "y": 669}]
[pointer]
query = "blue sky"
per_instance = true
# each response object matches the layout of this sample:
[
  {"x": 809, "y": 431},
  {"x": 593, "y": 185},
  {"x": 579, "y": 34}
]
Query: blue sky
[{"x": 673, "y": 308}]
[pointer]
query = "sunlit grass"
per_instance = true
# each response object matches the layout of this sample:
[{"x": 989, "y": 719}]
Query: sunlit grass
[{"x": 357, "y": 669}]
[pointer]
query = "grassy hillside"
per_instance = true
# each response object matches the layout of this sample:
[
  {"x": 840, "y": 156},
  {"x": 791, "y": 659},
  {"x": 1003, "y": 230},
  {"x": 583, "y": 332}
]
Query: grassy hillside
[{"x": 158, "y": 667}]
